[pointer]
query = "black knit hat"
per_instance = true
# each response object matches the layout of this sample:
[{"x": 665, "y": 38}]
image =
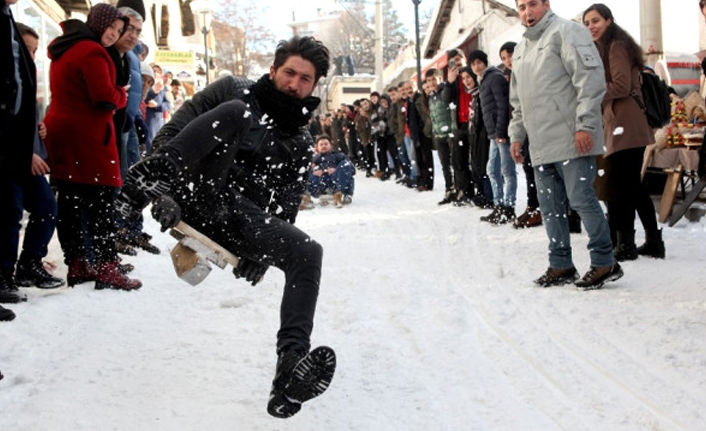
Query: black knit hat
[
  {"x": 509, "y": 47},
  {"x": 478, "y": 55},
  {"x": 101, "y": 17},
  {"x": 136, "y": 5}
]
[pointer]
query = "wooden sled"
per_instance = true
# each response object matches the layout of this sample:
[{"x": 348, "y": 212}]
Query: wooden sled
[
  {"x": 194, "y": 251},
  {"x": 679, "y": 211}
]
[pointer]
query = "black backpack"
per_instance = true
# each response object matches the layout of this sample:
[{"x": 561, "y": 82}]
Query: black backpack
[{"x": 655, "y": 101}]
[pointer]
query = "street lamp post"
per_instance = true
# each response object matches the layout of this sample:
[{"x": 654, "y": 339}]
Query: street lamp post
[
  {"x": 204, "y": 10},
  {"x": 418, "y": 48}
]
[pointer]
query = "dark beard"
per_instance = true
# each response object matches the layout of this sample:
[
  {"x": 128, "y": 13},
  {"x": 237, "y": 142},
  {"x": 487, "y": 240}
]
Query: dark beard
[{"x": 289, "y": 113}]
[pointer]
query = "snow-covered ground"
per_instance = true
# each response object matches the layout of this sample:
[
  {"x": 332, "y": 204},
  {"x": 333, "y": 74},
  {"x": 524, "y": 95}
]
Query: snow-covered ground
[{"x": 433, "y": 315}]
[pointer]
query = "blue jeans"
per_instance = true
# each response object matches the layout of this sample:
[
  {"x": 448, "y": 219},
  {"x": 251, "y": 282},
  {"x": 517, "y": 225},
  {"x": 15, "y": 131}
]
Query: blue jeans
[
  {"x": 572, "y": 180},
  {"x": 129, "y": 151},
  {"x": 412, "y": 155},
  {"x": 341, "y": 181},
  {"x": 502, "y": 174},
  {"x": 34, "y": 195}
]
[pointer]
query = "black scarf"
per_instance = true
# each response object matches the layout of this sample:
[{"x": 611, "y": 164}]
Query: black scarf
[{"x": 287, "y": 112}]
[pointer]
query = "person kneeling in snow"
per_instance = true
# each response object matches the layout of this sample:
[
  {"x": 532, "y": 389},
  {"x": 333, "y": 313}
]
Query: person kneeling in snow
[
  {"x": 331, "y": 172},
  {"x": 233, "y": 163}
]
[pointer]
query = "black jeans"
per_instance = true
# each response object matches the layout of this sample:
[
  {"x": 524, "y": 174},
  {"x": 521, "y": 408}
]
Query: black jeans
[
  {"x": 247, "y": 231},
  {"x": 630, "y": 193},
  {"x": 532, "y": 200},
  {"x": 86, "y": 221},
  {"x": 461, "y": 161},
  {"x": 444, "y": 145}
]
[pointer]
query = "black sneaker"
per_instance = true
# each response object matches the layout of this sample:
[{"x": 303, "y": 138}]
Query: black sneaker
[
  {"x": 31, "y": 272},
  {"x": 299, "y": 378},
  {"x": 497, "y": 210},
  {"x": 6, "y": 315},
  {"x": 557, "y": 277},
  {"x": 8, "y": 290},
  {"x": 449, "y": 197},
  {"x": 596, "y": 277}
]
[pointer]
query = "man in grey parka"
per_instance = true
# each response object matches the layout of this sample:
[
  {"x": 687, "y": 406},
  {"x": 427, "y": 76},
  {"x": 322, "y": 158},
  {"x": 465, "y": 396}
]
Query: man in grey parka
[{"x": 556, "y": 91}]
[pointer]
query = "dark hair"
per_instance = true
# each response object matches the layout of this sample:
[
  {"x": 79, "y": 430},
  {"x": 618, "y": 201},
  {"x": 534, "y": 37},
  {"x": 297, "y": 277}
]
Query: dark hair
[
  {"x": 392, "y": 88},
  {"x": 400, "y": 85},
  {"x": 321, "y": 137},
  {"x": 175, "y": 82},
  {"x": 26, "y": 30},
  {"x": 509, "y": 47},
  {"x": 702, "y": 3},
  {"x": 432, "y": 72},
  {"x": 306, "y": 47},
  {"x": 454, "y": 52},
  {"x": 469, "y": 71},
  {"x": 615, "y": 33}
]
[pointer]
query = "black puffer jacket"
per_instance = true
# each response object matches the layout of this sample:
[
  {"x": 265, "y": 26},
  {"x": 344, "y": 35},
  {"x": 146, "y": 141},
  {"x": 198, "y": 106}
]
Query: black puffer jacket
[
  {"x": 270, "y": 166},
  {"x": 495, "y": 102}
]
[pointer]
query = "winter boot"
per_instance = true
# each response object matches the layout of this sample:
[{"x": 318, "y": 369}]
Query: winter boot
[
  {"x": 653, "y": 246},
  {"x": 338, "y": 199},
  {"x": 557, "y": 277},
  {"x": 6, "y": 315},
  {"x": 108, "y": 276},
  {"x": 299, "y": 378},
  {"x": 80, "y": 271},
  {"x": 31, "y": 272},
  {"x": 506, "y": 215},
  {"x": 596, "y": 277},
  {"x": 449, "y": 197},
  {"x": 142, "y": 240},
  {"x": 9, "y": 294},
  {"x": 493, "y": 215},
  {"x": 626, "y": 249}
]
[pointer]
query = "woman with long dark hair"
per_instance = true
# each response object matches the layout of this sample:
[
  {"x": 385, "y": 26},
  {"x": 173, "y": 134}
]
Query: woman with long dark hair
[{"x": 626, "y": 134}]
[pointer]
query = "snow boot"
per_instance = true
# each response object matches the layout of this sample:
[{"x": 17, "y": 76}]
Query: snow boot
[
  {"x": 626, "y": 249},
  {"x": 653, "y": 246},
  {"x": 493, "y": 215},
  {"x": 31, "y": 272},
  {"x": 108, "y": 276},
  {"x": 9, "y": 294},
  {"x": 338, "y": 199},
  {"x": 557, "y": 277},
  {"x": 596, "y": 277},
  {"x": 299, "y": 378},
  {"x": 80, "y": 271},
  {"x": 6, "y": 315},
  {"x": 506, "y": 215}
]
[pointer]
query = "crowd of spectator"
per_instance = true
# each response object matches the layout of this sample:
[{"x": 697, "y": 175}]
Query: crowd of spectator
[{"x": 108, "y": 105}]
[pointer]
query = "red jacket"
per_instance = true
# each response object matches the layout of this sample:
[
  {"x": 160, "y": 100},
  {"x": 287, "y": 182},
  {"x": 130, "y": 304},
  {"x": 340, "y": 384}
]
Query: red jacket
[{"x": 81, "y": 139}]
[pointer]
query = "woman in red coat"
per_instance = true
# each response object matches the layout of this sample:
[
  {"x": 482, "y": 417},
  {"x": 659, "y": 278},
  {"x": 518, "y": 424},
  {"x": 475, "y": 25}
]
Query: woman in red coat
[{"x": 83, "y": 154}]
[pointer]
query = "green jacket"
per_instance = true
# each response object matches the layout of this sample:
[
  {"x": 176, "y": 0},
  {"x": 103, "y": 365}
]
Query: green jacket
[{"x": 441, "y": 119}]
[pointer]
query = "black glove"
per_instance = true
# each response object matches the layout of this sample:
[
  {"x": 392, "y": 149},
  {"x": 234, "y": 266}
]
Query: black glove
[
  {"x": 252, "y": 271},
  {"x": 166, "y": 211}
]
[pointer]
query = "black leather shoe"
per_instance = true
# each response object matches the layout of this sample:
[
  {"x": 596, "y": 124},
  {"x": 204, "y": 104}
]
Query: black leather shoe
[
  {"x": 557, "y": 277},
  {"x": 8, "y": 289},
  {"x": 6, "y": 315},
  {"x": 31, "y": 272}
]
